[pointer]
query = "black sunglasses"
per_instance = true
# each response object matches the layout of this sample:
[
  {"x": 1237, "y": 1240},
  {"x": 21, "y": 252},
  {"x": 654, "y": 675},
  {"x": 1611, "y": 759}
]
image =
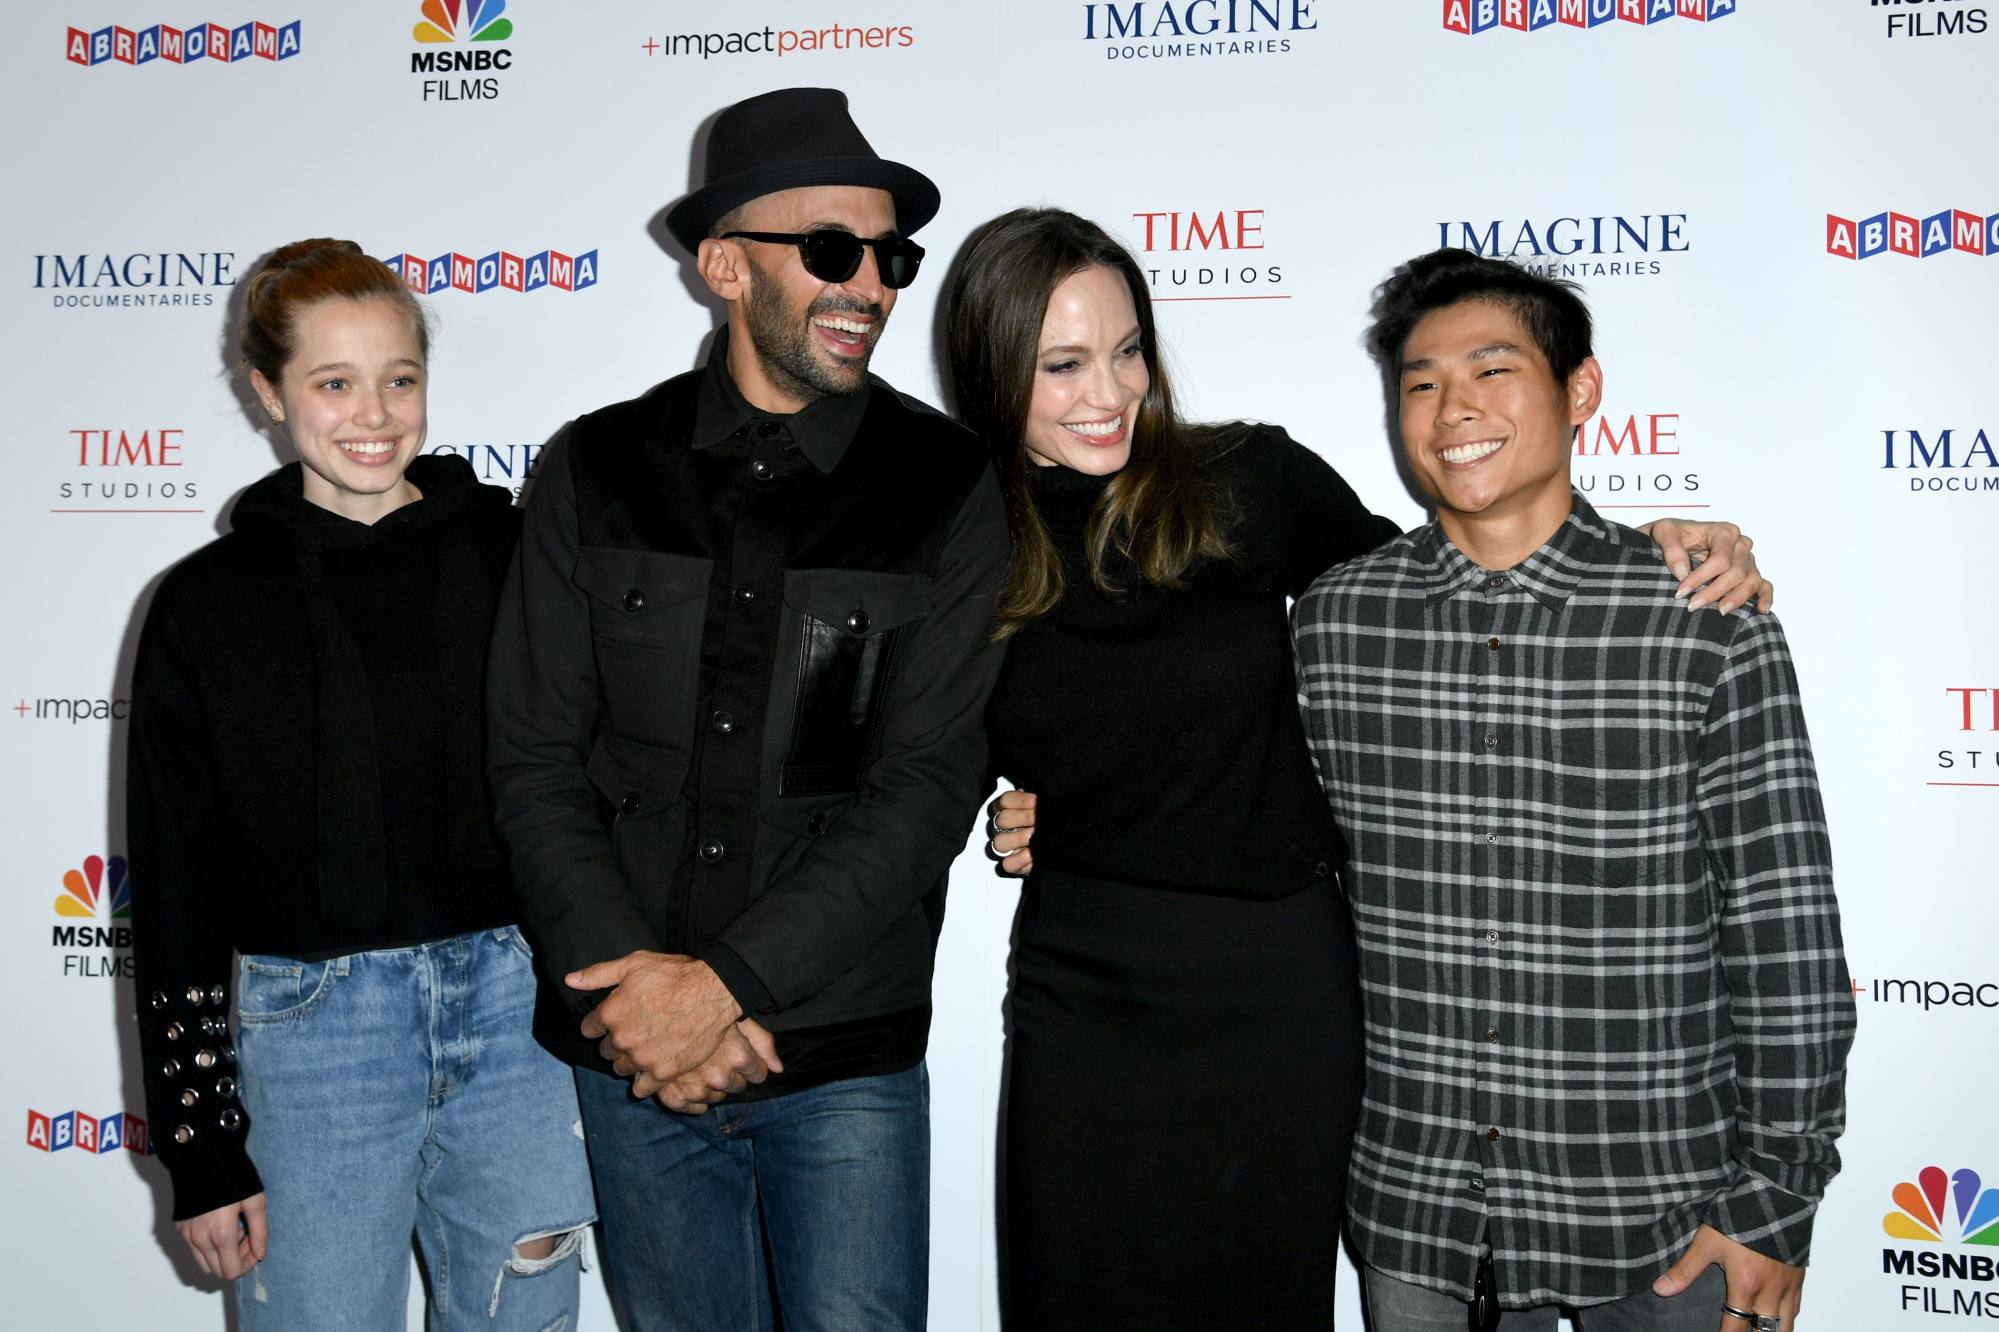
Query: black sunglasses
[{"x": 835, "y": 256}]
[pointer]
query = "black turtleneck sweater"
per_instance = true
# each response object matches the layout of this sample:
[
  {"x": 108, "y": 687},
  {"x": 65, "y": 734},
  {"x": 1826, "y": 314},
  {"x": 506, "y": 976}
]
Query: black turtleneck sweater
[
  {"x": 1160, "y": 728},
  {"x": 306, "y": 770}
]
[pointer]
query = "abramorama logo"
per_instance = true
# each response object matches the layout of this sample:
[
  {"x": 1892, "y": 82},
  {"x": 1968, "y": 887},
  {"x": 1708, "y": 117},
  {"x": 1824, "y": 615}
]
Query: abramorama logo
[
  {"x": 1475, "y": 16},
  {"x": 93, "y": 1135},
  {"x": 1943, "y": 1212}
]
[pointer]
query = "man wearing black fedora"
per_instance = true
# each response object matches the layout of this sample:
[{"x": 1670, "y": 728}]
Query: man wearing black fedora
[{"x": 737, "y": 683}]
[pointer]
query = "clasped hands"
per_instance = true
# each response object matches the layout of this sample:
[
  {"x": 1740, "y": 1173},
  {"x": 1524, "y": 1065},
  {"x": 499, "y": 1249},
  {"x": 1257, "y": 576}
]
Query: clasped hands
[{"x": 673, "y": 1028}]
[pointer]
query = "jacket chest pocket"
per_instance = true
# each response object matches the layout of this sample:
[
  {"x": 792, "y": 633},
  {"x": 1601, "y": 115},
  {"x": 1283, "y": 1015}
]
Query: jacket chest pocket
[
  {"x": 849, "y": 628},
  {"x": 646, "y": 613}
]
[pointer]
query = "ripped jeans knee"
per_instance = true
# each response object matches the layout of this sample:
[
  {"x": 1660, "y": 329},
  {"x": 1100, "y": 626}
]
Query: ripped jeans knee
[{"x": 535, "y": 1255}]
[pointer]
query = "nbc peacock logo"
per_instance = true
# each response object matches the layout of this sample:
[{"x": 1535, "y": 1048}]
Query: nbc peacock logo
[
  {"x": 93, "y": 928},
  {"x": 462, "y": 37},
  {"x": 454, "y": 21},
  {"x": 100, "y": 890},
  {"x": 1923, "y": 1205}
]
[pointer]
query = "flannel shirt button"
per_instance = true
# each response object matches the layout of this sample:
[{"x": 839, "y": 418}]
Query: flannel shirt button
[
  {"x": 1492, "y": 643},
  {"x": 1492, "y": 936},
  {"x": 1492, "y": 1135},
  {"x": 1492, "y": 1037},
  {"x": 1492, "y": 742},
  {"x": 1496, "y": 582},
  {"x": 1492, "y": 839}
]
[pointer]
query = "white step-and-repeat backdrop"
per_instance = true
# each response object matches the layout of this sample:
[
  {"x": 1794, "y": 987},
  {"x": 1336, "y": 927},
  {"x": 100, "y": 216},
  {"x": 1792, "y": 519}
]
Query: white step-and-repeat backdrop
[{"x": 1786, "y": 214}]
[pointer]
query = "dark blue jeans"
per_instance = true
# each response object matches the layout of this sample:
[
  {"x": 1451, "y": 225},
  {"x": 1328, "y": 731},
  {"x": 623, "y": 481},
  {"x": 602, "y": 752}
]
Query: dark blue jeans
[{"x": 833, "y": 1184}]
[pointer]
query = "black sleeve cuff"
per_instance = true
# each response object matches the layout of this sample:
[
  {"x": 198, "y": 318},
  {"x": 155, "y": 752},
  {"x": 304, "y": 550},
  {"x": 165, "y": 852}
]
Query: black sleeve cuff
[
  {"x": 749, "y": 990},
  {"x": 207, "y": 1180}
]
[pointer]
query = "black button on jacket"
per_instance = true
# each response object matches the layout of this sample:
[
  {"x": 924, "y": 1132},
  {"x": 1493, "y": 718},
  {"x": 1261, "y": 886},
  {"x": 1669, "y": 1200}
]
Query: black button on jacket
[{"x": 826, "y": 583}]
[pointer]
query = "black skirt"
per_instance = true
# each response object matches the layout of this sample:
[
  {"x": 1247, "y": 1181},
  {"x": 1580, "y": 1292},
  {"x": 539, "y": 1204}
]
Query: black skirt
[{"x": 1184, "y": 1072}]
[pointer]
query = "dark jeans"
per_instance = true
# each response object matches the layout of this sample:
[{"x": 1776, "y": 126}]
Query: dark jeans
[
  {"x": 831, "y": 1185},
  {"x": 1397, "y": 1306}
]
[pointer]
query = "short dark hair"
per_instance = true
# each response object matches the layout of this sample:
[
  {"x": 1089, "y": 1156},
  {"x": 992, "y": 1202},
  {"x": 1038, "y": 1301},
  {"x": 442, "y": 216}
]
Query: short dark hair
[{"x": 1551, "y": 310}]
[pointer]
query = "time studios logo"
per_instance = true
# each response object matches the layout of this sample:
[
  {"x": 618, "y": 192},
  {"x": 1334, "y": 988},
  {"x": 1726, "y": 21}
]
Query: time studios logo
[
  {"x": 1970, "y": 716},
  {"x": 1209, "y": 254},
  {"x": 1944, "y": 1214},
  {"x": 1636, "y": 461},
  {"x": 462, "y": 37},
  {"x": 1600, "y": 246},
  {"x": 117, "y": 470}
]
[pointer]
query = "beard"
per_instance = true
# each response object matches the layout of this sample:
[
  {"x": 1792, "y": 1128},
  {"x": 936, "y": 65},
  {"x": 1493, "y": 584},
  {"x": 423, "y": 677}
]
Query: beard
[{"x": 785, "y": 347}]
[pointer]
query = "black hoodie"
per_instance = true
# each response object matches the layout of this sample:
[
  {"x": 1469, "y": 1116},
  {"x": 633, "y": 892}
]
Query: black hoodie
[{"x": 306, "y": 768}]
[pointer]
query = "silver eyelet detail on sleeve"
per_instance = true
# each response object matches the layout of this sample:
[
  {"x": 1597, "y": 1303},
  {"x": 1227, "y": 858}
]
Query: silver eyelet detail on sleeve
[
  {"x": 159, "y": 1000},
  {"x": 189, "y": 1096},
  {"x": 174, "y": 1031},
  {"x": 183, "y": 1134},
  {"x": 171, "y": 1068},
  {"x": 225, "y": 1087},
  {"x": 204, "y": 1059},
  {"x": 193, "y": 996},
  {"x": 216, "y": 995},
  {"x": 230, "y": 1119}
]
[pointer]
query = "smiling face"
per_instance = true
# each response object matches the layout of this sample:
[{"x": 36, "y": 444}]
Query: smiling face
[
  {"x": 1488, "y": 428},
  {"x": 351, "y": 400},
  {"x": 797, "y": 337},
  {"x": 1089, "y": 376}
]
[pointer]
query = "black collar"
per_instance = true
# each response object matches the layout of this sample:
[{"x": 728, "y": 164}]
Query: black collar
[{"x": 822, "y": 430}]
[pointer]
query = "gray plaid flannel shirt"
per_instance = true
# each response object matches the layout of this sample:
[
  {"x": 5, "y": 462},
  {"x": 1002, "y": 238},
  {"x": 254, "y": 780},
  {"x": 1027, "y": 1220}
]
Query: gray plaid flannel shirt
[{"x": 1606, "y": 996}]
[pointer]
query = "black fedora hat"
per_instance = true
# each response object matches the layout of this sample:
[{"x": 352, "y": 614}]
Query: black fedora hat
[{"x": 787, "y": 139}]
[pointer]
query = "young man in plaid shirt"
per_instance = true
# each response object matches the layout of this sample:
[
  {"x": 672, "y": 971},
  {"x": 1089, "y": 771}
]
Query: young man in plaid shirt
[{"x": 1607, "y": 1006}]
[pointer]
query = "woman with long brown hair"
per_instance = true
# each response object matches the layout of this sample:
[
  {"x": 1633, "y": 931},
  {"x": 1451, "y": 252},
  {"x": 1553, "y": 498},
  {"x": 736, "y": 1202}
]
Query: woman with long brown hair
[{"x": 1185, "y": 1041}]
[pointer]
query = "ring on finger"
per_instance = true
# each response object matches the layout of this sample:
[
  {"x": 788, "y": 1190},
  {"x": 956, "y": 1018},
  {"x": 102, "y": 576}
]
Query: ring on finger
[
  {"x": 992, "y": 848},
  {"x": 1767, "y": 1323},
  {"x": 1743, "y": 1314}
]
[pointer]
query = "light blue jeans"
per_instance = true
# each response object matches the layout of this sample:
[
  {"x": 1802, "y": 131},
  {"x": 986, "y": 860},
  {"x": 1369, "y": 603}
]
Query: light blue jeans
[
  {"x": 820, "y": 1198},
  {"x": 399, "y": 1091}
]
